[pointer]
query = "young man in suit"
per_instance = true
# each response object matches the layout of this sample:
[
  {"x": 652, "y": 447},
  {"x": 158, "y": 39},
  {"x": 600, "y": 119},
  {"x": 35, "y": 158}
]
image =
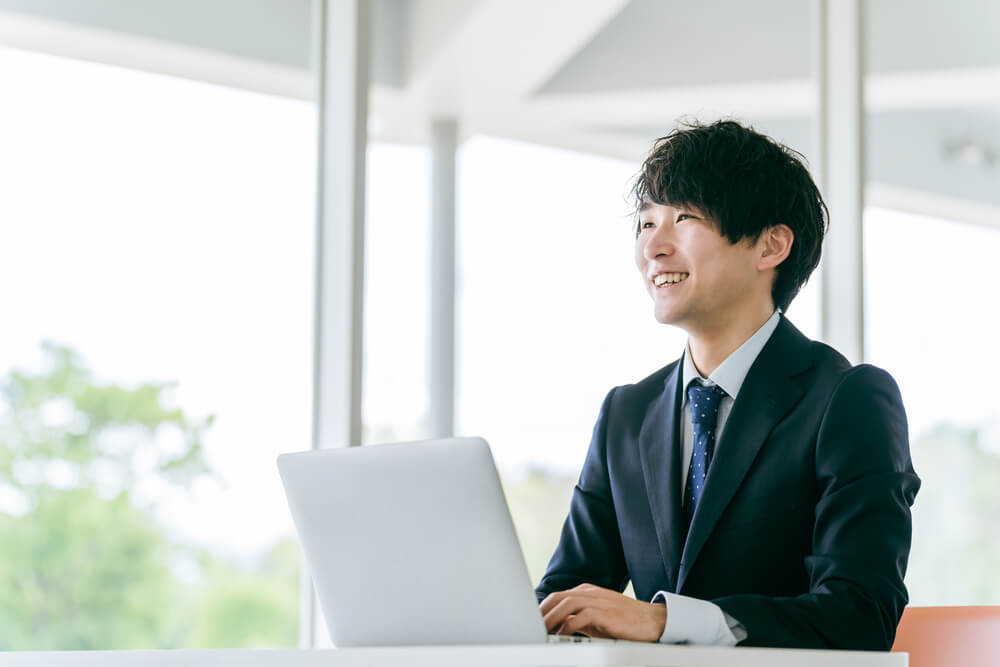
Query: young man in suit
[{"x": 758, "y": 489}]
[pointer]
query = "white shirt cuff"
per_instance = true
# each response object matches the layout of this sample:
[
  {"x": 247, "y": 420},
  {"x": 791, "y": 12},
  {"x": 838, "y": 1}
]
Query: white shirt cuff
[{"x": 694, "y": 621}]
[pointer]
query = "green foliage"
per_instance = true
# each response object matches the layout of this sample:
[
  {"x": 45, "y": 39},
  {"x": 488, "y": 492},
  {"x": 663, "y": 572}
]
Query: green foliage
[
  {"x": 81, "y": 572},
  {"x": 250, "y": 608},
  {"x": 93, "y": 430},
  {"x": 956, "y": 518},
  {"x": 539, "y": 503},
  {"x": 81, "y": 565}
]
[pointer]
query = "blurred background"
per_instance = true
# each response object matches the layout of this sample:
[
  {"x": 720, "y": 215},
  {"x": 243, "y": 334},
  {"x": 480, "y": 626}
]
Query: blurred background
[{"x": 160, "y": 271}]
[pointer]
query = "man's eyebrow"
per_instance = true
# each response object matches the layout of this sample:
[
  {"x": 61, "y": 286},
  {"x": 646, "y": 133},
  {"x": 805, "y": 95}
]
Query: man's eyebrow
[{"x": 688, "y": 209}]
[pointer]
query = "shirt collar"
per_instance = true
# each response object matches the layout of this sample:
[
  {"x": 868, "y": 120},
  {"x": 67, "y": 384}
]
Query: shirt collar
[{"x": 733, "y": 370}]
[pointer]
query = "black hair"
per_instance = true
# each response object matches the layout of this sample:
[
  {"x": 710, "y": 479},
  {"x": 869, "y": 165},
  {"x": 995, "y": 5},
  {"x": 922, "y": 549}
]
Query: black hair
[{"x": 746, "y": 182}]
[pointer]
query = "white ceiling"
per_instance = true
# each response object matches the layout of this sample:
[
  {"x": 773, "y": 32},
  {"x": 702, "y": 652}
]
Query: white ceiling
[{"x": 601, "y": 76}]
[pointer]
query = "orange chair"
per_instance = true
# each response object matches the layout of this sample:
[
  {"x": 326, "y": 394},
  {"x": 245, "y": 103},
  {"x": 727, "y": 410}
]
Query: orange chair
[{"x": 950, "y": 636}]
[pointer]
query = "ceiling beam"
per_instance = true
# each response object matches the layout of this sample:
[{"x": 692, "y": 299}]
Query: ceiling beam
[
  {"x": 937, "y": 89},
  {"x": 72, "y": 40},
  {"x": 616, "y": 145},
  {"x": 934, "y": 89},
  {"x": 656, "y": 106},
  {"x": 504, "y": 50},
  {"x": 931, "y": 204}
]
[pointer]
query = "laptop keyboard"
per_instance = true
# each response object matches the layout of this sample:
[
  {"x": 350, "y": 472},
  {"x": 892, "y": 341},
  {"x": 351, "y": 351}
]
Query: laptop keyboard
[{"x": 577, "y": 639}]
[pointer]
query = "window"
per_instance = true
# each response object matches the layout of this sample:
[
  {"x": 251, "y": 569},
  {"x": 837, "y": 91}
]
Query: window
[
  {"x": 933, "y": 326},
  {"x": 397, "y": 294},
  {"x": 552, "y": 315},
  {"x": 157, "y": 270}
]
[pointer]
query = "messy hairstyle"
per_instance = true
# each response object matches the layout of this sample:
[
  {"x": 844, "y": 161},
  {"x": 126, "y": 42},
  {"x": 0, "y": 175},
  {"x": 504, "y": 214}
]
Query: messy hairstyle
[{"x": 746, "y": 182}]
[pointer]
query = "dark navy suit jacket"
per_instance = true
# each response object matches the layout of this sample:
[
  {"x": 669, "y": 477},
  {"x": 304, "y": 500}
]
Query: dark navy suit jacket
[{"x": 803, "y": 529}]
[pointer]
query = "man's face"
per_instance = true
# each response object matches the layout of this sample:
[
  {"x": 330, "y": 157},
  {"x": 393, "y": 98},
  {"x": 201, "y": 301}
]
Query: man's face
[{"x": 699, "y": 281}]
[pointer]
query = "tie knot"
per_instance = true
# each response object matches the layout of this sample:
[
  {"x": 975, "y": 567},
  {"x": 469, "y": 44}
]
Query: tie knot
[{"x": 704, "y": 403}]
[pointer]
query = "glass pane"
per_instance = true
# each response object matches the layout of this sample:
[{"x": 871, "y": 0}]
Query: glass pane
[
  {"x": 157, "y": 265},
  {"x": 930, "y": 322},
  {"x": 804, "y": 311},
  {"x": 932, "y": 233},
  {"x": 552, "y": 315},
  {"x": 396, "y": 293}
]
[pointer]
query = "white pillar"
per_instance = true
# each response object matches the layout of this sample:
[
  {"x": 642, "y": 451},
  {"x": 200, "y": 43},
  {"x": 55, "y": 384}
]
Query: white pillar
[
  {"x": 343, "y": 49},
  {"x": 840, "y": 170},
  {"x": 441, "y": 355}
]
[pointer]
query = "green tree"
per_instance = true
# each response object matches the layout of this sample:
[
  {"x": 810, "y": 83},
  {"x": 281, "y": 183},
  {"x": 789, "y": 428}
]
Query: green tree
[
  {"x": 82, "y": 572},
  {"x": 539, "y": 502},
  {"x": 83, "y": 564},
  {"x": 956, "y": 518},
  {"x": 253, "y": 607}
]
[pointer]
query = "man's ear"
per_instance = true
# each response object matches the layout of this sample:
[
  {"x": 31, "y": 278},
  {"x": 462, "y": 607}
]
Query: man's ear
[{"x": 776, "y": 246}]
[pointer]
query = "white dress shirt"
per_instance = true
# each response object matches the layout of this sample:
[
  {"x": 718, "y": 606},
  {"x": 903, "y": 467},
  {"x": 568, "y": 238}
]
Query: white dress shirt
[{"x": 690, "y": 620}]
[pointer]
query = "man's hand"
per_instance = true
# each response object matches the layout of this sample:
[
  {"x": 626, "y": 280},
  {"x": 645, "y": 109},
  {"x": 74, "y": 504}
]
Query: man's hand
[{"x": 599, "y": 612}]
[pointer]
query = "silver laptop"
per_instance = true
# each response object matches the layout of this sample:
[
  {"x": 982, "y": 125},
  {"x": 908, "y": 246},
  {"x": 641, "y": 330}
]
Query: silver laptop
[{"x": 412, "y": 544}]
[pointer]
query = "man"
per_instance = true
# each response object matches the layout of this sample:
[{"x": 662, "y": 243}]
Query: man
[{"x": 758, "y": 489}]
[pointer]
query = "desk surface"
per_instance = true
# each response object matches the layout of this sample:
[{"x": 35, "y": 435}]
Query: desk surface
[{"x": 572, "y": 655}]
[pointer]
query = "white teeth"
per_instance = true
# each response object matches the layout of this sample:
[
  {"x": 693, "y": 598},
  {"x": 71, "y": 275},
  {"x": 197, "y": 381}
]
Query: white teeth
[{"x": 663, "y": 278}]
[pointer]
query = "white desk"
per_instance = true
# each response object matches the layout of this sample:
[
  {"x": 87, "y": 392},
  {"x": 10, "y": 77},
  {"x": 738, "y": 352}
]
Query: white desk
[{"x": 573, "y": 655}]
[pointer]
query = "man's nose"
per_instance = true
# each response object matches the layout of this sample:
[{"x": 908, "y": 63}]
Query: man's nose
[{"x": 660, "y": 242}]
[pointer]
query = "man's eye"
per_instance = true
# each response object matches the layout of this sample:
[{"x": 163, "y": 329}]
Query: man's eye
[
  {"x": 682, "y": 216},
  {"x": 645, "y": 225}
]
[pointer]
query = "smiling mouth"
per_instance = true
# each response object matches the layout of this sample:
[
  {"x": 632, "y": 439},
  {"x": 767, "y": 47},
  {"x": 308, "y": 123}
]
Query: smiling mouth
[{"x": 667, "y": 279}]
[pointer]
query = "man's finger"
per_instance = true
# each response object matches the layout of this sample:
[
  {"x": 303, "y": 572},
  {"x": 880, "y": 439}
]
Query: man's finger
[
  {"x": 558, "y": 614},
  {"x": 586, "y": 591},
  {"x": 572, "y": 603},
  {"x": 579, "y": 622},
  {"x": 562, "y": 625},
  {"x": 551, "y": 600}
]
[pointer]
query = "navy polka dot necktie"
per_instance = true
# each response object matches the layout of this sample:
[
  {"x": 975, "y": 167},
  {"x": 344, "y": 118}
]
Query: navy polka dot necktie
[{"x": 704, "y": 403}]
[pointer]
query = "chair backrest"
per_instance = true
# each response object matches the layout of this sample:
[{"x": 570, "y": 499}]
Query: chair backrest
[{"x": 950, "y": 636}]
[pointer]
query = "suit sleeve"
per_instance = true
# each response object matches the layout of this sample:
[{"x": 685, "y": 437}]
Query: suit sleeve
[
  {"x": 861, "y": 533},
  {"x": 590, "y": 546}
]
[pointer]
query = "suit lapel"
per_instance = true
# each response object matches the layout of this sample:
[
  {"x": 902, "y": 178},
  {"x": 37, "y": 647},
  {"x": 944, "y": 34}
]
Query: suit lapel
[
  {"x": 659, "y": 453},
  {"x": 766, "y": 396}
]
